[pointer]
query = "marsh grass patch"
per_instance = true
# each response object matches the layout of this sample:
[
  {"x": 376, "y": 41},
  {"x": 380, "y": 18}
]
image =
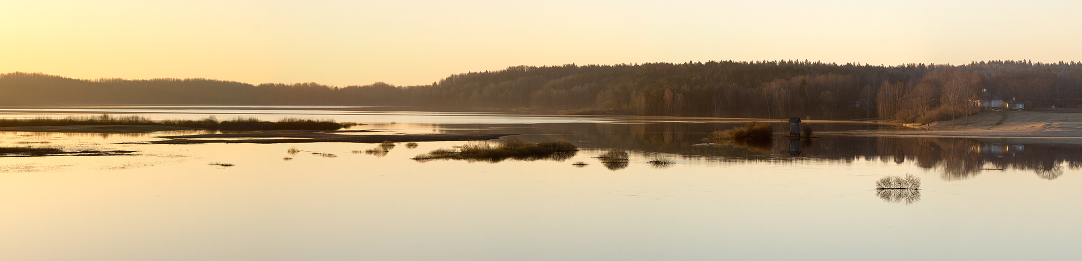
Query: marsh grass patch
[
  {"x": 753, "y": 131},
  {"x": 57, "y": 151},
  {"x": 660, "y": 163},
  {"x": 29, "y": 151},
  {"x": 614, "y": 159},
  {"x": 505, "y": 149},
  {"x": 325, "y": 155},
  {"x": 378, "y": 151},
  {"x": 209, "y": 123},
  {"x": 754, "y": 136}
]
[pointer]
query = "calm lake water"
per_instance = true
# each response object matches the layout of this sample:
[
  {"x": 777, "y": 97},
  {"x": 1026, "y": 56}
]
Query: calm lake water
[{"x": 787, "y": 200}]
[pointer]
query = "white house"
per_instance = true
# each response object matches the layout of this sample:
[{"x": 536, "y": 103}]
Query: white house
[
  {"x": 991, "y": 102},
  {"x": 1015, "y": 104}
]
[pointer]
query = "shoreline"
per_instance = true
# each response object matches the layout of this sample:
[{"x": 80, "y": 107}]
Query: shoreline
[
  {"x": 998, "y": 126},
  {"x": 274, "y": 137},
  {"x": 1046, "y": 126}
]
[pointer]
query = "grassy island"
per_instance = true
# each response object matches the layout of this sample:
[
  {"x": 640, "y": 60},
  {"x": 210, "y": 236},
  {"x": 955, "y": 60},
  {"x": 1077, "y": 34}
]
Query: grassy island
[{"x": 506, "y": 149}]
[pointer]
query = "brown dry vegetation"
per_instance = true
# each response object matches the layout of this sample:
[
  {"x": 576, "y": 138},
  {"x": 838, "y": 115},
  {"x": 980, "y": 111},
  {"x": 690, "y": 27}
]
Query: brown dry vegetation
[
  {"x": 46, "y": 151},
  {"x": 614, "y": 159},
  {"x": 506, "y": 149},
  {"x": 269, "y": 137},
  {"x": 895, "y": 182},
  {"x": 755, "y": 136},
  {"x": 117, "y": 123},
  {"x": 754, "y": 131}
]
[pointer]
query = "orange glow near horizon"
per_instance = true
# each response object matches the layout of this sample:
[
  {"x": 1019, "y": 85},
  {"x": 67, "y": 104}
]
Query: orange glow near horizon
[{"x": 418, "y": 42}]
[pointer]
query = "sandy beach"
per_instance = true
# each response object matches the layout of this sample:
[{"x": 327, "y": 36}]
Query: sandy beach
[{"x": 1046, "y": 126}]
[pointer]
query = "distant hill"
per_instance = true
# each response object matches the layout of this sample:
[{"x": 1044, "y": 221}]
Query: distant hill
[
  {"x": 912, "y": 92},
  {"x": 40, "y": 89}
]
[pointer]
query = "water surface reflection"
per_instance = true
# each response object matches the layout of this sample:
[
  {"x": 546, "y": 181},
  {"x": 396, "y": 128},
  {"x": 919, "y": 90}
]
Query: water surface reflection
[
  {"x": 727, "y": 202},
  {"x": 907, "y": 196},
  {"x": 953, "y": 158}
]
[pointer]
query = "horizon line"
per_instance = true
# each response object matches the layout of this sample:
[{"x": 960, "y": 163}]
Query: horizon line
[{"x": 100, "y": 79}]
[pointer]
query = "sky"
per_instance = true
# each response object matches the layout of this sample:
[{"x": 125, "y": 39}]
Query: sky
[{"x": 418, "y": 42}]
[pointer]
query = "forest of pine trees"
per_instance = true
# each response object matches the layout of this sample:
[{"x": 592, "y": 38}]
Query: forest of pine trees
[{"x": 774, "y": 89}]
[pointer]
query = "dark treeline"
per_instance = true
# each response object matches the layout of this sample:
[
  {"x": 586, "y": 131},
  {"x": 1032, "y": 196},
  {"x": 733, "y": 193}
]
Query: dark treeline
[
  {"x": 912, "y": 92},
  {"x": 40, "y": 89}
]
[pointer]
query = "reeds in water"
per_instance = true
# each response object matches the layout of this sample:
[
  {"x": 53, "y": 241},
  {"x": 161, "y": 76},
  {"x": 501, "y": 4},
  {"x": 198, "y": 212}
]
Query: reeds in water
[
  {"x": 253, "y": 124},
  {"x": 907, "y": 196},
  {"x": 209, "y": 123},
  {"x": 660, "y": 163},
  {"x": 506, "y": 149},
  {"x": 325, "y": 155},
  {"x": 614, "y": 159},
  {"x": 104, "y": 119},
  {"x": 614, "y": 155},
  {"x": 895, "y": 182},
  {"x": 438, "y": 154},
  {"x": 54, "y": 151},
  {"x": 755, "y": 136},
  {"x": 29, "y": 151},
  {"x": 380, "y": 150},
  {"x": 753, "y": 132},
  {"x": 615, "y": 165},
  {"x": 896, "y": 189}
]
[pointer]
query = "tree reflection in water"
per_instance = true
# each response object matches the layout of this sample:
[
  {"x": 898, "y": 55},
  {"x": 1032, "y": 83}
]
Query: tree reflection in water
[
  {"x": 954, "y": 158},
  {"x": 1050, "y": 173},
  {"x": 964, "y": 158},
  {"x": 615, "y": 165}
]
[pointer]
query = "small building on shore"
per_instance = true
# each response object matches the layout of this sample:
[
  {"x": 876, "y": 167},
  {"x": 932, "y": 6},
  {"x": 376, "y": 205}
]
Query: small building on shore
[
  {"x": 1015, "y": 104},
  {"x": 991, "y": 102}
]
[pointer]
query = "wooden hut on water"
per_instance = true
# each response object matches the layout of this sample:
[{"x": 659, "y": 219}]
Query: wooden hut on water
[{"x": 794, "y": 126}]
